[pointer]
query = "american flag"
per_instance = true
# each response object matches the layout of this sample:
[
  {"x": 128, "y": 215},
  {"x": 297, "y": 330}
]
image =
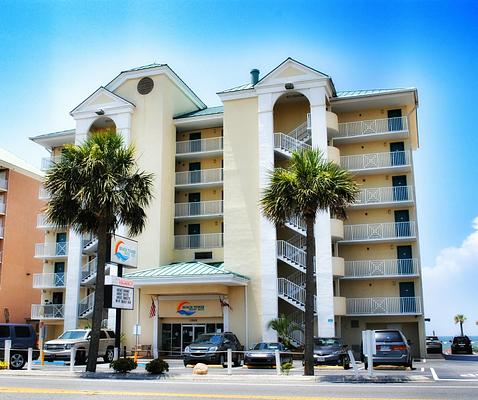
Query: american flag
[{"x": 152, "y": 310}]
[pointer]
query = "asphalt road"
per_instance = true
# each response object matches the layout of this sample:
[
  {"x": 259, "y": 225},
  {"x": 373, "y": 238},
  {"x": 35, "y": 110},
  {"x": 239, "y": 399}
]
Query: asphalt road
[{"x": 435, "y": 379}]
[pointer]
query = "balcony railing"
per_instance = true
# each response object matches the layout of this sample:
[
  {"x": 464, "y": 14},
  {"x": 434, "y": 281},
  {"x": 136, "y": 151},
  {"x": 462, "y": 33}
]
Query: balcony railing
[
  {"x": 199, "y": 177},
  {"x": 373, "y": 127},
  {"x": 199, "y": 145},
  {"x": 383, "y": 195},
  {"x": 51, "y": 250},
  {"x": 199, "y": 209},
  {"x": 2, "y": 208},
  {"x": 47, "y": 162},
  {"x": 1, "y": 231},
  {"x": 384, "y": 306},
  {"x": 49, "y": 280},
  {"x": 48, "y": 311},
  {"x": 1, "y": 256},
  {"x": 203, "y": 241},
  {"x": 375, "y": 160},
  {"x": 43, "y": 223},
  {"x": 43, "y": 194},
  {"x": 288, "y": 143},
  {"x": 381, "y": 268},
  {"x": 389, "y": 230},
  {"x": 85, "y": 306},
  {"x": 3, "y": 184}
]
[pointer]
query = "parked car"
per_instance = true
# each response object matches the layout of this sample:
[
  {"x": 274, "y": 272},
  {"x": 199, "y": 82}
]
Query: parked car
[
  {"x": 60, "y": 349},
  {"x": 263, "y": 353},
  {"x": 23, "y": 337},
  {"x": 393, "y": 348},
  {"x": 434, "y": 345},
  {"x": 461, "y": 344},
  {"x": 331, "y": 351},
  {"x": 211, "y": 348}
]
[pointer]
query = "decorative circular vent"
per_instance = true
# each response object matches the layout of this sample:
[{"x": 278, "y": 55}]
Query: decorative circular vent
[{"x": 145, "y": 85}]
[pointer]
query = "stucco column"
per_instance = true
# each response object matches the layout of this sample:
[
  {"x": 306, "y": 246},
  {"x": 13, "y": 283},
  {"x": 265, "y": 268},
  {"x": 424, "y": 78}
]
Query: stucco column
[
  {"x": 267, "y": 240},
  {"x": 225, "y": 315},
  {"x": 323, "y": 240},
  {"x": 155, "y": 328},
  {"x": 73, "y": 279}
]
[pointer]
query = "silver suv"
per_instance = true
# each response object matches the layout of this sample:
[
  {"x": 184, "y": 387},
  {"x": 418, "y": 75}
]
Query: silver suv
[
  {"x": 392, "y": 349},
  {"x": 60, "y": 349}
]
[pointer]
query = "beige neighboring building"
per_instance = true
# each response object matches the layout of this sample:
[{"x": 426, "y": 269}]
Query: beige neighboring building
[
  {"x": 19, "y": 207},
  {"x": 208, "y": 259}
]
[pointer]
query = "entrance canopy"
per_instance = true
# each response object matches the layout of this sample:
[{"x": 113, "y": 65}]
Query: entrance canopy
[{"x": 190, "y": 272}]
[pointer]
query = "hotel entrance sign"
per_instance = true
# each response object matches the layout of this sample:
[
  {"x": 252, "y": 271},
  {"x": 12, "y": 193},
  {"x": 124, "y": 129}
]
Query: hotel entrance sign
[
  {"x": 119, "y": 293},
  {"x": 124, "y": 251}
]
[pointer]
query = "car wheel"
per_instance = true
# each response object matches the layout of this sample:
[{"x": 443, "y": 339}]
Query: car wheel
[
  {"x": 185, "y": 363},
  {"x": 80, "y": 358},
  {"x": 237, "y": 361},
  {"x": 346, "y": 362},
  {"x": 221, "y": 361},
  {"x": 17, "y": 361},
  {"x": 109, "y": 355}
]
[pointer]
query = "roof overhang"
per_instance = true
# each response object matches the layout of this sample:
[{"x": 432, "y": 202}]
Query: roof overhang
[
  {"x": 55, "y": 139},
  {"x": 199, "y": 122},
  {"x": 393, "y": 98},
  {"x": 102, "y": 99},
  {"x": 223, "y": 279}
]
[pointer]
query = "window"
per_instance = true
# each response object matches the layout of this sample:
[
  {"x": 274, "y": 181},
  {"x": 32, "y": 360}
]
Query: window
[
  {"x": 103, "y": 335},
  {"x": 203, "y": 255},
  {"x": 4, "y": 331},
  {"x": 22, "y": 332},
  {"x": 388, "y": 336},
  {"x": 112, "y": 334}
]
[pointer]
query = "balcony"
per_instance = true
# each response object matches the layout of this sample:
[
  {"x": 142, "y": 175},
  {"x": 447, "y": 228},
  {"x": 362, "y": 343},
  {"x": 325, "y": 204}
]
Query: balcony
[
  {"x": 379, "y": 233},
  {"x": 336, "y": 229},
  {"x": 397, "y": 196},
  {"x": 48, "y": 311},
  {"x": 3, "y": 185},
  {"x": 1, "y": 232},
  {"x": 43, "y": 194},
  {"x": 200, "y": 178},
  {"x": 43, "y": 223},
  {"x": 373, "y": 163},
  {"x": 366, "y": 269},
  {"x": 373, "y": 129},
  {"x": 203, "y": 241},
  {"x": 199, "y": 210},
  {"x": 51, "y": 250},
  {"x": 385, "y": 306},
  {"x": 47, "y": 162},
  {"x": 200, "y": 148},
  {"x": 1, "y": 256},
  {"x": 2, "y": 208},
  {"x": 49, "y": 280}
]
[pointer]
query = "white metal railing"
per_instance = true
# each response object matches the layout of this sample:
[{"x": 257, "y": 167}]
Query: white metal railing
[
  {"x": 199, "y": 209},
  {"x": 3, "y": 184},
  {"x": 292, "y": 291},
  {"x": 302, "y": 131},
  {"x": 43, "y": 194},
  {"x": 394, "y": 194},
  {"x": 288, "y": 143},
  {"x": 86, "y": 304},
  {"x": 45, "y": 250},
  {"x": 201, "y": 241},
  {"x": 1, "y": 256},
  {"x": 297, "y": 335},
  {"x": 1, "y": 231},
  {"x": 379, "y": 268},
  {"x": 384, "y": 305},
  {"x": 388, "y": 230},
  {"x": 297, "y": 222},
  {"x": 373, "y": 127},
  {"x": 43, "y": 223},
  {"x": 375, "y": 160},
  {"x": 200, "y": 176},
  {"x": 47, "y": 162},
  {"x": 49, "y": 280},
  {"x": 48, "y": 311},
  {"x": 2, "y": 208},
  {"x": 88, "y": 269},
  {"x": 199, "y": 145},
  {"x": 292, "y": 254}
]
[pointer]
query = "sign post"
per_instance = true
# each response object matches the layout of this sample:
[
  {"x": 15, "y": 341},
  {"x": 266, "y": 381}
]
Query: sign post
[{"x": 369, "y": 348}]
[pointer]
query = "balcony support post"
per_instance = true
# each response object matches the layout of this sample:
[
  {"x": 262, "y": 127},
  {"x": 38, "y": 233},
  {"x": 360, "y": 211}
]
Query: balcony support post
[{"x": 73, "y": 277}]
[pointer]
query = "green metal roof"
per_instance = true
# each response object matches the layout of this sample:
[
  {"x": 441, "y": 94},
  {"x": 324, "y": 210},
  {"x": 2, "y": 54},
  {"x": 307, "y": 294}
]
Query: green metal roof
[
  {"x": 184, "y": 269},
  {"x": 202, "y": 113},
  {"x": 54, "y": 134},
  {"x": 238, "y": 88},
  {"x": 369, "y": 92}
]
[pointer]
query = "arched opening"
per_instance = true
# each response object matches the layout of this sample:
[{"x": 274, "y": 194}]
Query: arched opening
[
  {"x": 102, "y": 124},
  {"x": 291, "y": 112}
]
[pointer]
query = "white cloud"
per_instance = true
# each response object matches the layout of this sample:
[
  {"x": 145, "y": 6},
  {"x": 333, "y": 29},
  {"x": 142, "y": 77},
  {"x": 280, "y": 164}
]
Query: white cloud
[{"x": 450, "y": 287}]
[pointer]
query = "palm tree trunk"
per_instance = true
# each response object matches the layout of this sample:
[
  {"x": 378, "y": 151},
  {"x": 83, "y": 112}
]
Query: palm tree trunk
[
  {"x": 309, "y": 299},
  {"x": 99, "y": 299},
  {"x": 461, "y": 328}
]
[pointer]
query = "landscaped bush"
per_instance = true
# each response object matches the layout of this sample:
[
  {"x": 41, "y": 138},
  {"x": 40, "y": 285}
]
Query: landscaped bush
[
  {"x": 157, "y": 366},
  {"x": 124, "y": 365},
  {"x": 3, "y": 365},
  {"x": 286, "y": 367}
]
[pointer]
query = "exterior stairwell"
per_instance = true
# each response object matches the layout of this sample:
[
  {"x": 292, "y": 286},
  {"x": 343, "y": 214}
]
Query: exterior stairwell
[
  {"x": 296, "y": 337},
  {"x": 292, "y": 293},
  {"x": 294, "y": 140},
  {"x": 297, "y": 224},
  {"x": 88, "y": 272},
  {"x": 86, "y": 305}
]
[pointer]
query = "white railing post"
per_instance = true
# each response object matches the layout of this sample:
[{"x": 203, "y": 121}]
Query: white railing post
[
  {"x": 8, "y": 346},
  {"x": 115, "y": 353},
  {"x": 229, "y": 361},
  {"x": 278, "y": 365},
  {"x": 30, "y": 359},
  {"x": 72, "y": 358}
]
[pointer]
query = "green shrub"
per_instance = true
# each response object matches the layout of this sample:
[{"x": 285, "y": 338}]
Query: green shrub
[
  {"x": 123, "y": 365},
  {"x": 286, "y": 367},
  {"x": 157, "y": 366},
  {"x": 3, "y": 365}
]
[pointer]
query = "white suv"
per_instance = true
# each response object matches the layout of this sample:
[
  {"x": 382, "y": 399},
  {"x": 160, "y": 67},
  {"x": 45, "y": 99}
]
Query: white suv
[{"x": 60, "y": 349}]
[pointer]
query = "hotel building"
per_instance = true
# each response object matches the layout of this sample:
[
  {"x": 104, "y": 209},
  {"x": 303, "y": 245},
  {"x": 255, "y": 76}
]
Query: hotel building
[{"x": 208, "y": 259}]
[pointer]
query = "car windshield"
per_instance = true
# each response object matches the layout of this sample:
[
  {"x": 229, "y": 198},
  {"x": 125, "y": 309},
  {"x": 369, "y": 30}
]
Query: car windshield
[
  {"x": 461, "y": 340},
  {"x": 73, "y": 335},
  {"x": 326, "y": 342},
  {"x": 388, "y": 336},
  {"x": 208, "y": 339},
  {"x": 267, "y": 346}
]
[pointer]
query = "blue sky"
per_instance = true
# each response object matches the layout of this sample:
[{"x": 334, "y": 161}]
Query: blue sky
[{"x": 54, "y": 54}]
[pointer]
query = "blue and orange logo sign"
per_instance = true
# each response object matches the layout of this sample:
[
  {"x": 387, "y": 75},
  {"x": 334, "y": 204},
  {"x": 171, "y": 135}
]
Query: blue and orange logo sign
[
  {"x": 185, "y": 308},
  {"x": 120, "y": 251}
]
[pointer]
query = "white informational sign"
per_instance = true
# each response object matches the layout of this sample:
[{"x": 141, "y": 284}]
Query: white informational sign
[
  {"x": 122, "y": 297},
  {"x": 124, "y": 251},
  {"x": 117, "y": 281}
]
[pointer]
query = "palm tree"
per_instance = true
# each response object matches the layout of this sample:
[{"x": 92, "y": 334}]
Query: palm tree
[
  {"x": 309, "y": 184},
  {"x": 284, "y": 327},
  {"x": 460, "y": 319},
  {"x": 95, "y": 188}
]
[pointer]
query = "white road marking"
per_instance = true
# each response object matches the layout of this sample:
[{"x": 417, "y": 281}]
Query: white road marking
[
  {"x": 422, "y": 369},
  {"x": 434, "y": 374},
  {"x": 436, "y": 378}
]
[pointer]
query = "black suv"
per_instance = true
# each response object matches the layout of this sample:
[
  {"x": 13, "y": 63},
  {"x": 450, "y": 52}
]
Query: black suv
[
  {"x": 211, "y": 348},
  {"x": 461, "y": 344},
  {"x": 23, "y": 337}
]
